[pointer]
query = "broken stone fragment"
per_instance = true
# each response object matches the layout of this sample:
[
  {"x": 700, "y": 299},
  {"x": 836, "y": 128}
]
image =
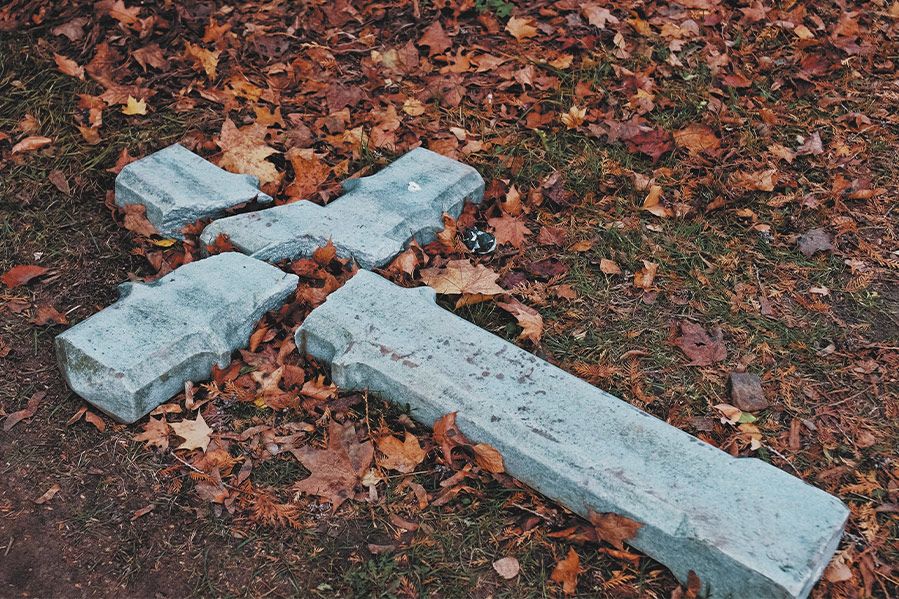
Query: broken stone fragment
[
  {"x": 137, "y": 353},
  {"x": 746, "y": 391},
  {"x": 178, "y": 188},
  {"x": 371, "y": 223},
  {"x": 747, "y": 528}
]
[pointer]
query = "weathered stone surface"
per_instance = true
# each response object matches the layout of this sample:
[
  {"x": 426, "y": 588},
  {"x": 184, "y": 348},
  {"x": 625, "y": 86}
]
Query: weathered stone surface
[
  {"x": 372, "y": 222},
  {"x": 178, "y": 188},
  {"x": 137, "y": 353},
  {"x": 747, "y": 528},
  {"x": 746, "y": 391}
]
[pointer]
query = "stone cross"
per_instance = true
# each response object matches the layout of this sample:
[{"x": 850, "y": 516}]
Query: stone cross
[
  {"x": 372, "y": 222},
  {"x": 747, "y": 528},
  {"x": 178, "y": 188},
  {"x": 137, "y": 353}
]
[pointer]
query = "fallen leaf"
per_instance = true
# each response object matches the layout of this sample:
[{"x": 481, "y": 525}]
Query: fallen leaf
[
  {"x": 46, "y": 313},
  {"x": 475, "y": 282},
  {"x": 207, "y": 60},
  {"x": 436, "y": 39},
  {"x": 136, "y": 220},
  {"x": 645, "y": 277},
  {"x": 613, "y": 528},
  {"x": 194, "y": 432},
  {"x": 652, "y": 202},
  {"x": 29, "y": 144},
  {"x": 598, "y": 16},
  {"x": 48, "y": 494},
  {"x": 702, "y": 349},
  {"x": 142, "y": 512},
  {"x": 21, "y": 274},
  {"x": 567, "y": 571},
  {"x": 134, "y": 107},
  {"x": 509, "y": 230},
  {"x": 697, "y": 138},
  {"x": 69, "y": 67},
  {"x": 156, "y": 434},
  {"x": 487, "y": 457},
  {"x": 337, "y": 469},
  {"x": 448, "y": 436},
  {"x": 310, "y": 172},
  {"x": 58, "y": 179},
  {"x": 754, "y": 181},
  {"x": 574, "y": 118},
  {"x": 244, "y": 151},
  {"x": 521, "y": 27},
  {"x": 609, "y": 267},
  {"x": 26, "y": 413},
  {"x": 814, "y": 241},
  {"x": 811, "y": 146},
  {"x": 402, "y": 456},
  {"x": 528, "y": 318},
  {"x": 507, "y": 567}
]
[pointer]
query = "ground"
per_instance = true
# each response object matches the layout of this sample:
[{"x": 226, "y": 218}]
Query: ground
[{"x": 652, "y": 169}]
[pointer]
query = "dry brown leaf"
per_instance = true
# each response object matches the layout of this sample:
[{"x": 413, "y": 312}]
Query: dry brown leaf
[
  {"x": 207, "y": 60},
  {"x": 652, "y": 202},
  {"x": 48, "y": 494},
  {"x": 136, "y": 220},
  {"x": 507, "y": 567},
  {"x": 702, "y": 349},
  {"x": 337, "y": 469},
  {"x": 194, "y": 432},
  {"x": 521, "y": 27},
  {"x": 528, "y": 318},
  {"x": 475, "y": 282},
  {"x": 244, "y": 151},
  {"x": 487, "y": 457},
  {"x": 21, "y": 274},
  {"x": 156, "y": 434},
  {"x": 509, "y": 229},
  {"x": 609, "y": 267},
  {"x": 566, "y": 572},
  {"x": 69, "y": 67},
  {"x": 402, "y": 456},
  {"x": 613, "y": 528},
  {"x": 310, "y": 172},
  {"x": 645, "y": 277},
  {"x": 31, "y": 143},
  {"x": 574, "y": 118},
  {"x": 135, "y": 107},
  {"x": 436, "y": 39},
  {"x": 697, "y": 138}
]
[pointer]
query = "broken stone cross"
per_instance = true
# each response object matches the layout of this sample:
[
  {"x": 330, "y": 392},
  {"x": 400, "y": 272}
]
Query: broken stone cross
[
  {"x": 372, "y": 222},
  {"x": 747, "y": 528},
  {"x": 178, "y": 188},
  {"x": 137, "y": 353}
]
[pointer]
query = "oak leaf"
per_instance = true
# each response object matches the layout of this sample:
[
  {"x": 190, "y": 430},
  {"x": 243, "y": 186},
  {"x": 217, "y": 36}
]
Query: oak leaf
[
  {"x": 194, "y": 432},
  {"x": 337, "y": 469},
  {"x": 402, "y": 456}
]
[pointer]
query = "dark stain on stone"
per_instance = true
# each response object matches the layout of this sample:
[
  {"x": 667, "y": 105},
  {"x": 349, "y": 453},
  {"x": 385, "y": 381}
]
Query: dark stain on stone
[
  {"x": 544, "y": 434},
  {"x": 500, "y": 375}
]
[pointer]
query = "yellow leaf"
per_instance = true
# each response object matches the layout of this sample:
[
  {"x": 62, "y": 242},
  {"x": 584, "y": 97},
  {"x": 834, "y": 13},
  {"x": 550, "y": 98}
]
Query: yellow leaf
[
  {"x": 462, "y": 277},
  {"x": 135, "y": 106},
  {"x": 402, "y": 456},
  {"x": 574, "y": 118}
]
